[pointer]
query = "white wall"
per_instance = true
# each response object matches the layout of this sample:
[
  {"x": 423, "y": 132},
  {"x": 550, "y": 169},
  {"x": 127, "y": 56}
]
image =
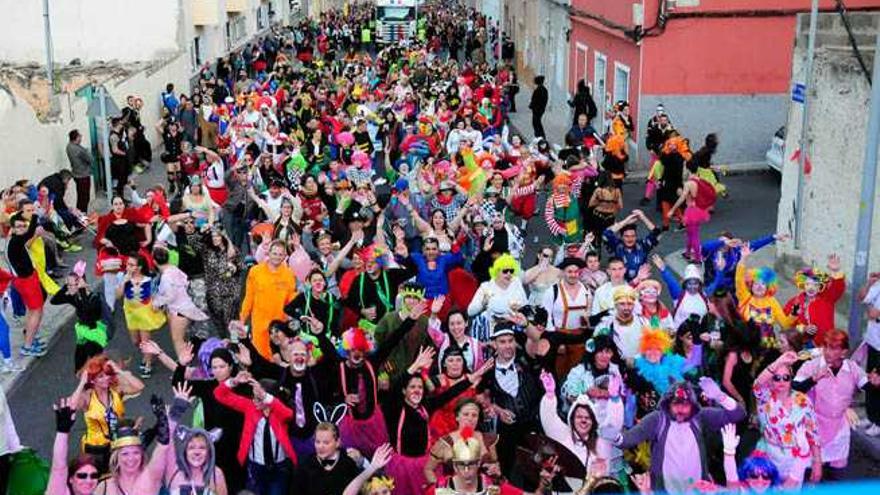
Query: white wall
[{"x": 91, "y": 30}]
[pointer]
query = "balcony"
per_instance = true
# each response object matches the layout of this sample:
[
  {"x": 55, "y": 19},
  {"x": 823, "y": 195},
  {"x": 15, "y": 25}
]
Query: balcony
[
  {"x": 237, "y": 6},
  {"x": 206, "y": 12}
]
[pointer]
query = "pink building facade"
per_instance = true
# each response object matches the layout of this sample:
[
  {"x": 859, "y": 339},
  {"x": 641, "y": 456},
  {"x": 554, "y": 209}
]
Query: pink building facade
[{"x": 720, "y": 66}]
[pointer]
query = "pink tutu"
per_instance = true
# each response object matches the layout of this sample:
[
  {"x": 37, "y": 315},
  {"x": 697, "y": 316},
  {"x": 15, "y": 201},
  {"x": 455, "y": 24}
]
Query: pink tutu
[
  {"x": 694, "y": 215},
  {"x": 408, "y": 474},
  {"x": 365, "y": 435}
]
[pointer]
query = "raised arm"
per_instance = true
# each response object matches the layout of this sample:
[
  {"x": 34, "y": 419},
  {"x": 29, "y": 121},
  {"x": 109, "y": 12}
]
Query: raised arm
[
  {"x": 65, "y": 416},
  {"x": 380, "y": 459}
]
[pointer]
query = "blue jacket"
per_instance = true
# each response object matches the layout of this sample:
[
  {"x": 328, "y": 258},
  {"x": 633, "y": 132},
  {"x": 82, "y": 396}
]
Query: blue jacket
[
  {"x": 435, "y": 281},
  {"x": 634, "y": 257},
  {"x": 731, "y": 258}
]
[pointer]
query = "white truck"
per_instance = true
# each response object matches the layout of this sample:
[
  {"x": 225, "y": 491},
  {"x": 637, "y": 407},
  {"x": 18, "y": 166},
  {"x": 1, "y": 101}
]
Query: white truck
[{"x": 396, "y": 20}]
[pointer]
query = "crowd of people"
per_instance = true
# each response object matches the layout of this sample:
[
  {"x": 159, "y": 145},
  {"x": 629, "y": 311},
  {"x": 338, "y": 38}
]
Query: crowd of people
[{"x": 340, "y": 256}]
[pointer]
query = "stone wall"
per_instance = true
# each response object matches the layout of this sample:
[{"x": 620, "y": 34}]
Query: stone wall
[{"x": 837, "y": 130}]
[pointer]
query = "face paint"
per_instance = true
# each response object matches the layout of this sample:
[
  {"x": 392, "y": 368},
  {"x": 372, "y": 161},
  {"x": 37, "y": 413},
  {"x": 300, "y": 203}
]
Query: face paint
[{"x": 692, "y": 285}]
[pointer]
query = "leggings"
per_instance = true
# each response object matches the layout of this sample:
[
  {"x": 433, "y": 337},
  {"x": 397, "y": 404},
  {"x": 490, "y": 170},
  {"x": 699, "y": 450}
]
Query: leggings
[
  {"x": 872, "y": 394},
  {"x": 5, "y": 349},
  {"x": 692, "y": 242}
]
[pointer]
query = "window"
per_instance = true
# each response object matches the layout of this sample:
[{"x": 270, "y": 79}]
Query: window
[
  {"x": 600, "y": 88},
  {"x": 262, "y": 17},
  {"x": 196, "y": 53},
  {"x": 236, "y": 30},
  {"x": 580, "y": 64},
  {"x": 621, "y": 82}
]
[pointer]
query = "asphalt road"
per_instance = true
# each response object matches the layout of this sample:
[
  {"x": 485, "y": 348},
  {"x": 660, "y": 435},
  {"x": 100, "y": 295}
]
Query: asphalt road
[{"x": 749, "y": 212}]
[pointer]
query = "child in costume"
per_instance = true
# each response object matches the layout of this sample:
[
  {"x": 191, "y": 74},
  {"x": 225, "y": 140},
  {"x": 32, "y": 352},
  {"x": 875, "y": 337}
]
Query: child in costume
[
  {"x": 755, "y": 292},
  {"x": 655, "y": 369},
  {"x": 137, "y": 290},
  {"x": 813, "y": 308},
  {"x": 562, "y": 212}
]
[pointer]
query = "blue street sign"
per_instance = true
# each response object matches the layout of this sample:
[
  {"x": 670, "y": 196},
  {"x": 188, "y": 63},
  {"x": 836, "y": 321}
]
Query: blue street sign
[{"x": 799, "y": 92}]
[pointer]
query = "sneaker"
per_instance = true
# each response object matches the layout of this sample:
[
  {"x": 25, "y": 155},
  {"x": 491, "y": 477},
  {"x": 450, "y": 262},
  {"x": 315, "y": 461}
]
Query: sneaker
[
  {"x": 138, "y": 169},
  {"x": 873, "y": 431},
  {"x": 72, "y": 248},
  {"x": 38, "y": 342},
  {"x": 32, "y": 351},
  {"x": 8, "y": 365}
]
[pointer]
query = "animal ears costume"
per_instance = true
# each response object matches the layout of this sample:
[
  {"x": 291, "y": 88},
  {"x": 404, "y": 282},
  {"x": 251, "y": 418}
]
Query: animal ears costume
[
  {"x": 335, "y": 416},
  {"x": 182, "y": 436}
]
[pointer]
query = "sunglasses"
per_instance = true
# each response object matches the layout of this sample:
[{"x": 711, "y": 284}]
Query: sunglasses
[
  {"x": 508, "y": 271},
  {"x": 759, "y": 476},
  {"x": 781, "y": 378},
  {"x": 94, "y": 475},
  {"x": 465, "y": 465}
]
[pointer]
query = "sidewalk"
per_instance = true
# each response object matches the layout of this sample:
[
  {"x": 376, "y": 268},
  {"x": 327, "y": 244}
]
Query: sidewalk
[
  {"x": 57, "y": 319},
  {"x": 557, "y": 122},
  {"x": 787, "y": 290}
]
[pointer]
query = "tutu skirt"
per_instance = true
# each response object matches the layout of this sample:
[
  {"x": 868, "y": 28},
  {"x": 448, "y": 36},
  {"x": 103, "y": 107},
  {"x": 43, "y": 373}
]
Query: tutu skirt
[
  {"x": 524, "y": 206},
  {"x": 408, "y": 474},
  {"x": 364, "y": 435},
  {"x": 694, "y": 216}
]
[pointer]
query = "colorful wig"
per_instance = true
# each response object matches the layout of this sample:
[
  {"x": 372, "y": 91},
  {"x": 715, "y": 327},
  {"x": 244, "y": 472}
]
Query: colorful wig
[
  {"x": 563, "y": 179},
  {"x": 616, "y": 145},
  {"x": 757, "y": 463},
  {"x": 504, "y": 262},
  {"x": 355, "y": 338},
  {"x": 205, "y": 350},
  {"x": 820, "y": 276},
  {"x": 374, "y": 252},
  {"x": 312, "y": 346},
  {"x": 656, "y": 339},
  {"x": 766, "y": 276}
]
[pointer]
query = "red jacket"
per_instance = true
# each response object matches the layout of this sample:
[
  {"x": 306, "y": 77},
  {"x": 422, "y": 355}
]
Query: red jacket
[
  {"x": 820, "y": 312},
  {"x": 279, "y": 416}
]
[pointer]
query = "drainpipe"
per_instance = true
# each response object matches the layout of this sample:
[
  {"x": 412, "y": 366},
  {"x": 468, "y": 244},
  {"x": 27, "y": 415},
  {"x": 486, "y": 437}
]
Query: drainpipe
[
  {"x": 808, "y": 82},
  {"x": 50, "y": 63}
]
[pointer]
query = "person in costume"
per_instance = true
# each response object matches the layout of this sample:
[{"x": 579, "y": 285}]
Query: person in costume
[
  {"x": 755, "y": 292},
  {"x": 468, "y": 413},
  {"x": 562, "y": 212},
  {"x": 102, "y": 387},
  {"x": 266, "y": 417},
  {"x": 363, "y": 426},
  {"x": 651, "y": 307},
  {"x": 171, "y": 295},
  {"x": 275, "y": 284},
  {"x": 870, "y": 298},
  {"x": 454, "y": 333},
  {"x": 498, "y": 297},
  {"x": 368, "y": 482},
  {"x": 80, "y": 476},
  {"x": 315, "y": 302},
  {"x": 402, "y": 351},
  {"x": 600, "y": 360},
  {"x": 120, "y": 234},
  {"x": 27, "y": 279},
  {"x": 374, "y": 292},
  {"x": 654, "y": 370},
  {"x": 127, "y": 461},
  {"x": 141, "y": 317},
  {"x": 698, "y": 198},
  {"x": 788, "y": 423},
  {"x": 90, "y": 326},
  {"x": 579, "y": 433},
  {"x": 831, "y": 380},
  {"x": 756, "y": 474},
  {"x": 693, "y": 298},
  {"x": 674, "y": 431},
  {"x": 605, "y": 202},
  {"x": 674, "y": 154},
  {"x": 625, "y": 324},
  {"x": 469, "y": 477},
  {"x": 330, "y": 469},
  {"x": 567, "y": 304},
  {"x": 814, "y": 307},
  {"x": 408, "y": 421}
]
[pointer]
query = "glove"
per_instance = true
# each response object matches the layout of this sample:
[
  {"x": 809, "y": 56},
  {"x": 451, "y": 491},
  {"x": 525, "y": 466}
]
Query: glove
[
  {"x": 729, "y": 439},
  {"x": 162, "y": 430},
  {"x": 178, "y": 409},
  {"x": 65, "y": 417},
  {"x": 711, "y": 389},
  {"x": 549, "y": 383}
]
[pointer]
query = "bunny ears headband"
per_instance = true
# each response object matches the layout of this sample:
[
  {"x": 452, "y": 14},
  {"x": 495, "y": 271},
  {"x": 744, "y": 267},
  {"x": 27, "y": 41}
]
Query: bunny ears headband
[{"x": 335, "y": 417}]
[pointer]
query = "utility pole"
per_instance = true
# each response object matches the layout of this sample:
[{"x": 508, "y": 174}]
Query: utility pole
[
  {"x": 50, "y": 62},
  {"x": 866, "y": 205},
  {"x": 802, "y": 157},
  {"x": 105, "y": 142}
]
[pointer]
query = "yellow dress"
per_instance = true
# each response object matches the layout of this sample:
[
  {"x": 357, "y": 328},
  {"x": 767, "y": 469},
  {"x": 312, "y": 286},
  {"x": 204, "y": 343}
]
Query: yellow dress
[{"x": 140, "y": 315}]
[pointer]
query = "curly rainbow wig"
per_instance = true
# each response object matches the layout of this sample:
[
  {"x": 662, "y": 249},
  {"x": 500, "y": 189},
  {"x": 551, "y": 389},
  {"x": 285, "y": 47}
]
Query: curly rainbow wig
[
  {"x": 801, "y": 277},
  {"x": 764, "y": 275},
  {"x": 504, "y": 262},
  {"x": 655, "y": 339},
  {"x": 355, "y": 339}
]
